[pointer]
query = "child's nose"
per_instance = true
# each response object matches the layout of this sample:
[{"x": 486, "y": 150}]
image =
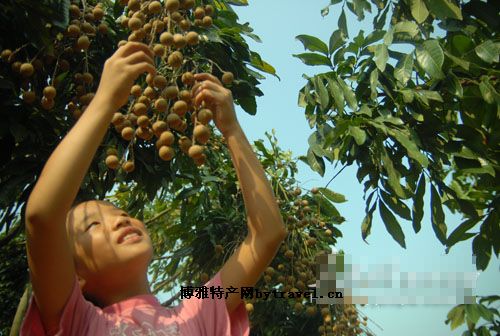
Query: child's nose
[{"x": 120, "y": 222}]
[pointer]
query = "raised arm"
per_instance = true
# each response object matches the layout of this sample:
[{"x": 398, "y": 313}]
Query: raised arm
[
  {"x": 49, "y": 254},
  {"x": 266, "y": 230}
]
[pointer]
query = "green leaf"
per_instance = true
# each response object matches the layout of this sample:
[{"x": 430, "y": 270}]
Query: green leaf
[
  {"x": 374, "y": 84},
  {"x": 321, "y": 92},
  {"x": 430, "y": 56},
  {"x": 444, "y": 9},
  {"x": 393, "y": 175},
  {"x": 488, "y": 91},
  {"x": 437, "y": 216},
  {"x": 381, "y": 56},
  {"x": 418, "y": 204},
  {"x": 404, "y": 69},
  {"x": 459, "y": 233},
  {"x": 419, "y": 10},
  {"x": 342, "y": 23},
  {"x": 349, "y": 95},
  {"x": 358, "y": 134},
  {"x": 238, "y": 2},
  {"x": 454, "y": 86},
  {"x": 327, "y": 208},
  {"x": 313, "y": 43},
  {"x": 472, "y": 312},
  {"x": 458, "y": 61},
  {"x": 396, "y": 205},
  {"x": 408, "y": 27},
  {"x": 485, "y": 313},
  {"x": 488, "y": 51},
  {"x": 456, "y": 316},
  {"x": 391, "y": 224},
  {"x": 410, "y": 146},
  {"x": 313, "y": 59},
  {"x": 337, "y": 94},
  {"x": 366, "y": 225},
  {"x": 257, "y": 62},
  {"x": 332, "y": 196},
  {"x": 316, "y": 163},
  {"x": 336, "y": 40}
]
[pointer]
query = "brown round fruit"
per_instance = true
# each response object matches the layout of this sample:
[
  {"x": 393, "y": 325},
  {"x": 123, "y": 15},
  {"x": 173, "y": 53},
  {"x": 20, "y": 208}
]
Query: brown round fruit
[
  {"x": 87, "y": 78},
  {"x": 161, "y": 105},
  {"x": 117, "y": 119},
  {"x": 199, "y": 13},
  {"x": 26, "y": 70},
  {"x": 195, "y": 151},
  {"x": 140, "y": 109},
  {"x": 188, "y": 78},
  {"x": 180, "y": 107},
  {"x": 249, "y": 307},
  {"x": 127, "y": 133},
  {"x": 206, "y": 21},
  {"x": 192, "y": 38},
  {"x": 73, "y": 31},
  {"x": 98, "y": 13},
  {"x": 112, "y": 162},
  {"x": 174, "y": 121},
  {"x": 166, "y": 139},
  {"x": 136, "y": 91},
  {"x": 154, "y": 7},
  {"x": 171, "y": 92},
  {"x": 227, "y": 77},
  {"x": 29, "y": 97},
  {"x": 204, "y": 116},
  {"x": 159, "y": 50},
  {"x": 179, "y": 41},
  {"x": 166, "y": 153},
  {"x": 128, "y": 166},
  {"x": 184, "y": 143},
  {"x": 172, "y": 5},
  {"x": 143, "y": 121},
  {"x": 185, "y": 95},
  {"x": 166, "y": 39},
  {"x": 198, "y": 161},
  {"x": 160, "y": 82},
  {"x": 175, "y": 59},
  {"x": 185, "y": 24},
  {"x": 47, "y": 104},
  {"x": 83, "y": 42},
  {"x": 49, "y": 92},
  {"x": 201, "y": 134},
  {"x": 159, "y": 127}
]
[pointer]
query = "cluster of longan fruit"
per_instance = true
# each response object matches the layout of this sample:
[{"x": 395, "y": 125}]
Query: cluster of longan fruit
[{"x": 161, "y": 107}]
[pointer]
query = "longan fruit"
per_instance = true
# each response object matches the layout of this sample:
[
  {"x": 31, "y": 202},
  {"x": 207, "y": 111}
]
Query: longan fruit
[
  {"x": 192, "y": 38},
  {"x": 73, "y": 30},
  {"x": 134, "y": 24},
  {"x": 128, "y": 166},
  {"x": 136, "y": 91},
  {"x": 218, "y": 249},
  {"x": 314, "y": 191},
  {"x": 198, "y": 22},
  {"x": 180, "y": 107},
  {"x": 87, "y": 78},
  {"x": 134, "y": 5},
  {"x": 74, "y": 11},
  {"x": 166, "y": 153},
  {"x": 185, "y": 24},
  {"x": 149, "y": 92},
  {"x": 29, "y": 97},
  {"x": 112, "y": 162},
  {"x": 167, "y": 39},
  {"x": 103, "y": 28},
  {"x": 160, "y": 82},
  {"x": 159, "y": 50},
  {"x": 227, "y": 77},
  {"x": 6, "y": 54},
  {"x": 184, "y": 143},
  {"x": 328, "y": 232},
  {"x": 173, "y": 120},
  {"x": 201, "y": 134},
  {"x": 26, "y": 70},
  {"x": 166, "y": 138},
  {"x": 311, "y": 310},
  {"x": 144, "y": 100},
  {"x": 159, "y": 127},
  {"x": 289, "y": 254},
  {"x": 195, "y": 151},
  {"x": 185, "y": 95},
  {"x": 144, "y": 133},
  {"x": 89, "y": 17},
  {"x": 140, "y": 109},
  {"x": 49, "y": 92},
  {"x": 47, "y": 104},
  {"x": 179, "y": 41},
  {"x": 154, "y": 7},
  {"x": 249, "y": 307},
  {"x": 83, "y": 42},
  {"x": 206, "y": 21},
  {"x": 175, "y": 59},
  {"x": 88, "y": 28},
  {"x": 161, "y": 105},
  {"x": 204, "y": 277},
  {"x": 176, "y": 17},
  {"x": 198, "y": 161},
  {"x": 199, "y": 13},
  {"x": 143, "y": 121},
  {"x": 171, "y": 92},
  {"x": 63, "y": 65},
  {"x": 204, "y": 116},
  {"x": 159, "y": 26},
  {"x": 127, "y": 133},
  {"x": 188, "y": 78},
  {"x": 98, "y": 13},
  {"x": 188, "y": 4},
  {"x": 172, "y": 5}
]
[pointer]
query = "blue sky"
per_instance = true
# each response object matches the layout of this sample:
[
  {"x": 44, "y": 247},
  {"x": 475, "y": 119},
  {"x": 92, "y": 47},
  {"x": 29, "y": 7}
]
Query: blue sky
[{"x": 277, "y": 23}]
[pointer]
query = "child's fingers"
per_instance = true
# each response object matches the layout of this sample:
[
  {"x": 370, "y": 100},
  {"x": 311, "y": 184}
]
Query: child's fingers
[
  {"x": 140, "y": 68},
  {"x": 207, "y": 76},
  {"x": 138, "y": 57},
  {"x": 207, "y": 96},
  {"x": 205, "y": 85},
  {"x": 131, "y": 47}
]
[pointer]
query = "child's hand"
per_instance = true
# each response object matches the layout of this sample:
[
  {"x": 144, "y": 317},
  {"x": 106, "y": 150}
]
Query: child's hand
[
  {"x": 121, "y": 70},
  {"x": 209, "y": 89}
]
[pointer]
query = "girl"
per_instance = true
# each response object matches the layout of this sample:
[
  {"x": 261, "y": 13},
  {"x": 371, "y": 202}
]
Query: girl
[{"x": 88, "y": 264}]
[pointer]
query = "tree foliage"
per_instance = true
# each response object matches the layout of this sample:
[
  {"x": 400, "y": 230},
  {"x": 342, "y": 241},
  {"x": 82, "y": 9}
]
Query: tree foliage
[{"x": 415, "y": 104}]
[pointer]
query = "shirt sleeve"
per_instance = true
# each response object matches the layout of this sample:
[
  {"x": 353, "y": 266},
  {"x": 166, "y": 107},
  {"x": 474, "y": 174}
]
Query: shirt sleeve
[
  {"x": 209, "y": 316},
  {"x": 74, "y": 320}
]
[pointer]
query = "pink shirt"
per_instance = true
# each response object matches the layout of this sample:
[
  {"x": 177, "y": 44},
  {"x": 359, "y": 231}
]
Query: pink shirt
[{"x": 143, "y": 315}]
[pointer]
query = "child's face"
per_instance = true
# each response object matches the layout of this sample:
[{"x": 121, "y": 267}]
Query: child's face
[{"x": 106, "y": 241}]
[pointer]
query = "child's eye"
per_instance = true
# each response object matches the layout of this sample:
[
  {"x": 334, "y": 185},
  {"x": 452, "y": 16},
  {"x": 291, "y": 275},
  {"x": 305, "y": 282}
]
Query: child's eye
[{"x": 90, "y": 225}]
